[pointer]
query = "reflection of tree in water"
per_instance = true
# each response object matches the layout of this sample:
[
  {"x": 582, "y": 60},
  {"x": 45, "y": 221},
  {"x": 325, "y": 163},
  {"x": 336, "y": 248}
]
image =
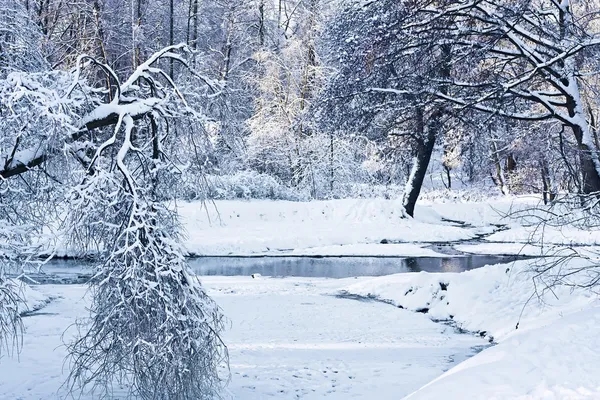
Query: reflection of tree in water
[
  {"x": 327, "y": 267},
  {"x": 456, "y": 264}
]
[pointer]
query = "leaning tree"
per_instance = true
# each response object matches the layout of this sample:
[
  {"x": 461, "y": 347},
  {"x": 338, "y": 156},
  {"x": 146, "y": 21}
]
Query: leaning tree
[
  {"x": 103, "y": 146},
  {"x": 379, "y": 81}
]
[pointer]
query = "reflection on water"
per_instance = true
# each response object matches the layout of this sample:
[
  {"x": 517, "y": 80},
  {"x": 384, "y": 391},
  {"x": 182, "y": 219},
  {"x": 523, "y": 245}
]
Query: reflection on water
[
  {"x": 76, "y": 271},
  {"x": 338, "y": 267}
]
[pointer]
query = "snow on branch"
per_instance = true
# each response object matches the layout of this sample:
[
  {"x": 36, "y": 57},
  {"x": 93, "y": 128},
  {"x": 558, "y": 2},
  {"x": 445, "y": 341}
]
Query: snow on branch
[{"x": 148, "y": 90}]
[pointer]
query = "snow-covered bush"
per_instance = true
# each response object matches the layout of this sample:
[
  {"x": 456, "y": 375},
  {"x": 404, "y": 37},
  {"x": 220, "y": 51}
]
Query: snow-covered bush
[
  {"x": 245, "y": 185},
  {"x": 20, "y": 40}
]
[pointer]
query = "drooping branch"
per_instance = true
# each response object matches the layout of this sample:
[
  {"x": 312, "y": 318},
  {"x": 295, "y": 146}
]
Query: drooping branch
[{"x": 128, "y": 100}]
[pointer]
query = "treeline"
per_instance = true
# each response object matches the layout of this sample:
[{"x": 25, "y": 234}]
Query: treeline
[{"x": 316, "y": 99}]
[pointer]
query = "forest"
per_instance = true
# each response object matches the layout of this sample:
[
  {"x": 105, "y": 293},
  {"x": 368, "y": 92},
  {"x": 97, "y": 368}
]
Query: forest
[{"x": 114, "y": 113}]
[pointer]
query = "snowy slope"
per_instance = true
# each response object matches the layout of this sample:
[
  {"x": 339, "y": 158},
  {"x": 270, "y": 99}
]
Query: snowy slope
[
  {"x": 546, "y": 345},
  {"x": 559, "y": 360}
]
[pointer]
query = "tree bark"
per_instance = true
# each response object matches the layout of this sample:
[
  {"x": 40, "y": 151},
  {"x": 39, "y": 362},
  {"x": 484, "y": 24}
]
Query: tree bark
[
  {"x": 421, "y": 161},
  {"x": 549, "y": 188},
  {"x": 426, "y": 136},
  {"x": 589, "y": 171},
  {"x": 499, "y": 179}
]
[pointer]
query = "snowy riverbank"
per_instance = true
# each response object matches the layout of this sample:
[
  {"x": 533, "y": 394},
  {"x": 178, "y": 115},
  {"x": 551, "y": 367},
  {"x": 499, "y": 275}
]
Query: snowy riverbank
[
  {"x": 363, "y": 338},
  {"x": 367, "y": 227},
  {"x": 551, "y": 355},
  {"x": 289, "y": 338},
  {"x": 358, "y": 226},
  {"x": 340, "y": 227}
]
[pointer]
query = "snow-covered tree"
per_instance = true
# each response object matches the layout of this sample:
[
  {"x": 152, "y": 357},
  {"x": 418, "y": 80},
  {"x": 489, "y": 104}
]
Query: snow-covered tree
[
  {"x": 528, "y": 61},
  {"x": 378, "y": 84},
  {"x": 151, "y": 327}
]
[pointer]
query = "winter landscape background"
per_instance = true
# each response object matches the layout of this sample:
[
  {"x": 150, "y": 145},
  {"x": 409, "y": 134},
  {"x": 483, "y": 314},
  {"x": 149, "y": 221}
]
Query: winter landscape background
[{"x": 299, "y": 199}]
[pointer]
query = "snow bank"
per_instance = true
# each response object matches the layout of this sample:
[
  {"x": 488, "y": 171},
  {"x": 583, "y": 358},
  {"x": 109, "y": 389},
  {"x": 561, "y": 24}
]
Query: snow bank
[
  {"x": 503, "y": 249},
  {"x": 557, "y": 361},
  {"x": 366, "y": 249},
  {"x": 530, "y": 250},
  {"x": 330, "y": 227},
  {"x": 263, "y": 226},
  {"x": 546, "y": 346},
  {"x": 492, "y": 299},
  {"x": 32, "y": 299},
  {"x": 566, "y": 235},
  {"x": 485, "y": 212}
]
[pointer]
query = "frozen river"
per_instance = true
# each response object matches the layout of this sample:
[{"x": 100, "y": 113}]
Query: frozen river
[{"x": 289, "y": 338}]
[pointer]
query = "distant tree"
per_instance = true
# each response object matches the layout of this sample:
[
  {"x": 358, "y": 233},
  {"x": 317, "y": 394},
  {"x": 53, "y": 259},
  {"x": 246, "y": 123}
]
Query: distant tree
[{"x": 379, "y": 81}]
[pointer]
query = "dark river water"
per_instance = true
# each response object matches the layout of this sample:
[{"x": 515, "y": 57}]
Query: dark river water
[{"x": 77, "y": 271}]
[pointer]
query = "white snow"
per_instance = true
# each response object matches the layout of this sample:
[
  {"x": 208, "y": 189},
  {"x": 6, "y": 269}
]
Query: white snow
[
  {"x": 334, "y": 227},
  {"x": 567, "y": 235},
  {"x": 293, "y": 338},
  {"x": 263, "y": 226},
  {"x": 557, "y": 361},
  {"x": 366, "y": 249},
  {"x": 530, "y": 250},
  {"x": 551, "y": 355},
  {"x": 289, "y": 338}
]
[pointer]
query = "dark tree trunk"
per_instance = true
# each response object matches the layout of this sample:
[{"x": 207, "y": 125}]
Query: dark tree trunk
[
  {"x": 549, "y": 191},
  {"x": 331, "y": 166},
  {"x": 511, "y": 164},
  {"x": 261, "y": 24},
  {"x": 591, "y": 178},
  {"x": 426, "y": 137},
  {"x": 448, "y": 177},
  {"x": 421, "y": 161},
  {"x": 171, "y": 33}
]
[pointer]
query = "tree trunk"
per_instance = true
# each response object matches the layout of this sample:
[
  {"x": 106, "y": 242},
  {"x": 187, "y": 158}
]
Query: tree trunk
[
  {"x": 261, "y": 24},
  {"x": 588, "y": 160},
  {"x": 426, "y": 136},
  {"x": 549, "y": 187},
  {"x": 420, "y": 162},
  {"x": 499, "y": 179},
  {"x": 228, "y": 47},
  {"x": 171, "y": 33},
  {"x": 448, "y": 177},
  {"x": 331, "y": 166}
]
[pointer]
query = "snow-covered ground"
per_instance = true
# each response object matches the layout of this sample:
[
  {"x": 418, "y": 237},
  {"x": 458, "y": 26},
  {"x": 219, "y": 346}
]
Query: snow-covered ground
[
  {"x": 353, "y": 227},
  {"x": 289, "y": 339},
  {"x": 340, "y": 227},
  {"x": 261, "y": 226},
  {"x": 358, "y": 226},
  {"x": 294, "y": 338},
  {"x": 546, "y": 346},
  {"x": 313, "y": 338}
]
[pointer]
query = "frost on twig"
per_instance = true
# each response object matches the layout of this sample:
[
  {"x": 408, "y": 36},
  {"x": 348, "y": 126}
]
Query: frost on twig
[
  {"x": 552, "y": 229},
  {"x": 11, "y": 325},
  {"x": 12, "y": 303}
]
